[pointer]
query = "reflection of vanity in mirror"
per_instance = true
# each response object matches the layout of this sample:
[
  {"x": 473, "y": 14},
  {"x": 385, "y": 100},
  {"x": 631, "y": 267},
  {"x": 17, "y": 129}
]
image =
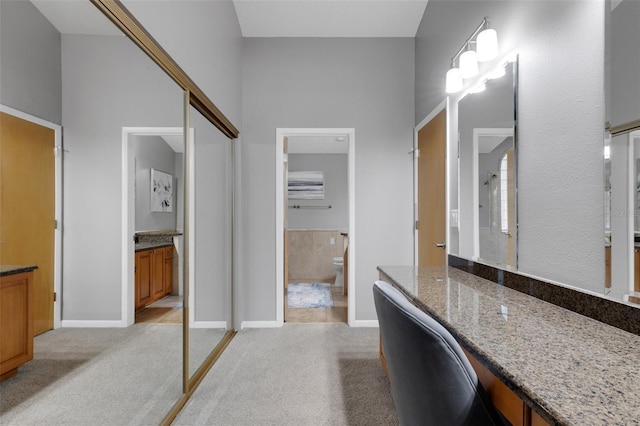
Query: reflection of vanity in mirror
[
  {"x": 622, "y": 152},
  {"x": 487, "y": 163}
]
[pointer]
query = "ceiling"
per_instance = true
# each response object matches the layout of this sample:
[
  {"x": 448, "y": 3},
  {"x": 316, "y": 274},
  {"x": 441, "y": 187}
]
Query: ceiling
[{"x": 270, "y": 18}]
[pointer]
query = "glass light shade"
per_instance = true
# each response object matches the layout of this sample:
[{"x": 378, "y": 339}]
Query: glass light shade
[
  {"x": 487, "y": 45},
  {"x": 454, "y": 81},
  {"x": 497, "y": 73},
  {"x": 468, "y": 64},
  {"x": 478, "y": 88}
]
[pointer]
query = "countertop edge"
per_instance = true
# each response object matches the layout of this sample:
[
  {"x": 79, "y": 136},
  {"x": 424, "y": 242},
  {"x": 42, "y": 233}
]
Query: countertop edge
[
  {"x": 6, "y": 270},
  {"x": 543, "y": 409}
]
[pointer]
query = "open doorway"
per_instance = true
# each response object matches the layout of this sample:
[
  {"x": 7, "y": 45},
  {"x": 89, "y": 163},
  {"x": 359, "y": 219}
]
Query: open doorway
[
  {"x": 153, "y": 252},
  {"x": 315, "y": 225}
]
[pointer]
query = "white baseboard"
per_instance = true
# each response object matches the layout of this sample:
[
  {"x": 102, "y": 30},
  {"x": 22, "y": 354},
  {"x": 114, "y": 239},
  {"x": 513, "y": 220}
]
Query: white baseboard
[
  {"x": 364, "y": 323},
  {"x": 209, "y": 324},
  {"x": 93, "y": 324},
  {"x": 260, "y": 324}
]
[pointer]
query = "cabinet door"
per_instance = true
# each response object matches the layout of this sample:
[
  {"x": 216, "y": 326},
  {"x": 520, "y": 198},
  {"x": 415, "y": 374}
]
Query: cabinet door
[
  {"x": 16, "y": 322},
  {"x": 143, "y": 278},
  {"x": 168, "y": 270},
  {"x": 157, "y": 272}
]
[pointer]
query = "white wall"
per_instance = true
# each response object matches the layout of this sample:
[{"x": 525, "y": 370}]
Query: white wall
[
  {"x": 30, "y": 64},
  {"x": 152, "y": 152},
  {"x": 366, "y": 84},
  {"x": 336, "y": 194},
  {"x": 561, "y": 117}
]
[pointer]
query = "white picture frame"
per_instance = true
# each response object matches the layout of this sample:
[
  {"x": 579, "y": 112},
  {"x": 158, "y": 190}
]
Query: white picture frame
[{"x": 161, "y": 191}]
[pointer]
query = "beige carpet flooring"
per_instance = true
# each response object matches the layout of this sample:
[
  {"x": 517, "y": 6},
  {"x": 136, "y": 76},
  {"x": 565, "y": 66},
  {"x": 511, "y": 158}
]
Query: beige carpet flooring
[
  {"x": 108, "y": 376},
  {"x": 299, "y": 375}
]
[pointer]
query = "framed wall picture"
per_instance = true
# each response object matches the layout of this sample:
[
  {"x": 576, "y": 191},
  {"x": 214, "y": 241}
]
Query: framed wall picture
[
  {"x": 306, "y": 185},
  {"x": 161, "y": 191}
]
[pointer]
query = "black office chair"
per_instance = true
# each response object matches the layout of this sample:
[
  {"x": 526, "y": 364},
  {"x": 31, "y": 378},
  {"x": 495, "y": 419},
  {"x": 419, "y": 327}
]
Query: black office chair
[{"x": 432, "y": 381}]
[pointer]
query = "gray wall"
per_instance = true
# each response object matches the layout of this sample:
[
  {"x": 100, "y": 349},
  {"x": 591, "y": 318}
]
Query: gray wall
[
  {"x": 561, "y": 107},
  {"x": 108, "y": 84},
  {"x": 625, "y": 62},
  {"x": 30, "y": 64},
  {"x": 152, "y": 152},
  {"x": 336, "y": 193},
  {"x": 204, "y": 38},
  {"x": 366, "y": 84}
]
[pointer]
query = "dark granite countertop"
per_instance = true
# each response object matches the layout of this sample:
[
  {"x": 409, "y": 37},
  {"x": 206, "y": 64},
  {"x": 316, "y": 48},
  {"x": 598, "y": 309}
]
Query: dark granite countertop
[
  {"x": 15, "y": 269},
  {"x": 572, "y": 370}
]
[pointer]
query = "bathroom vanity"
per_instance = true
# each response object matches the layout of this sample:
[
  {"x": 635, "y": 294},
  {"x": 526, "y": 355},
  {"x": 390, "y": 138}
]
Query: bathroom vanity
[
  {"x": 540, "y": 363},
  {"x": 154, "y": 266}
]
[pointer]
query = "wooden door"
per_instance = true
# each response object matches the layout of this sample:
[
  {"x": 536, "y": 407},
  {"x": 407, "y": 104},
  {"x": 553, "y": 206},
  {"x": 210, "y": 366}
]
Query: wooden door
[
  {"x": 432, "y": 144},
  {"x": 285, "y": 215},
  {"x": 27, "y": 207}
]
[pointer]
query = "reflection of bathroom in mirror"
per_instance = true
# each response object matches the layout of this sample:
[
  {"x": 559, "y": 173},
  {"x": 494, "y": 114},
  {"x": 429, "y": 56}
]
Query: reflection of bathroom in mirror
[
  {"x": 487, "y": 180},
  {"x": 622, "y": 151}
]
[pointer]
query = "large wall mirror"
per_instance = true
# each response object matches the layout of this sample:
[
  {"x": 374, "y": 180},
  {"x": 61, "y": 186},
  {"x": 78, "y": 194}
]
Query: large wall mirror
[
  {"x": 622, "y": 151},
  {"x": 144, "y": 342},
  {"x": 211, "y": 240},
  {"x": 487, "y": 169}
]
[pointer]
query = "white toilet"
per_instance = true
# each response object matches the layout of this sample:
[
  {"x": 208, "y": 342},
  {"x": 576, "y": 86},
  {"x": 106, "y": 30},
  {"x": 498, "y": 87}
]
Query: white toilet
[{"x": 337, "y": 263}]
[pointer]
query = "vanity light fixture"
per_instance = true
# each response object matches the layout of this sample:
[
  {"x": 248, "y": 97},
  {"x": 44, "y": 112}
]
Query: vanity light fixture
[
  {"x": 478, "y": 88},
  {"x": 468, "y": 64},
  {"x": 454, "y": 80},
  {"x": 486, "y": 43}
]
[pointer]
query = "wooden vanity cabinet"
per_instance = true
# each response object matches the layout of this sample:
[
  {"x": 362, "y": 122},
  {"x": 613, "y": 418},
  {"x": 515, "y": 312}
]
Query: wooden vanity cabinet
[
  {"x": 153, "y": 275},
  {"x": 16, "y": 322}
]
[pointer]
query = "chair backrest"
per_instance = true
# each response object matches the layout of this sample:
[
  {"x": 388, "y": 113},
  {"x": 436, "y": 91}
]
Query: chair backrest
[{"x": 432, "y": 381}]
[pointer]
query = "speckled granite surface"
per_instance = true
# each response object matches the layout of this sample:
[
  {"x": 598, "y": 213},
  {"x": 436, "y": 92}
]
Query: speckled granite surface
[
  {"x": 624, "y": 315},
  {"x": 569, "y": 368},
  {"x": 154, "y": 239},
  {"x": 15, "y": 269}
]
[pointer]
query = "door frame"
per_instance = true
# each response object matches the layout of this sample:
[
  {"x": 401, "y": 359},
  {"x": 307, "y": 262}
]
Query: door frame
[
  {"x": 444, "y": 105},
  {"x": 281, "y": 133},
  {"x": 129, "y": 213},
  {"x": 479, "y": 132},
  {"x": 57, "y": 239}
]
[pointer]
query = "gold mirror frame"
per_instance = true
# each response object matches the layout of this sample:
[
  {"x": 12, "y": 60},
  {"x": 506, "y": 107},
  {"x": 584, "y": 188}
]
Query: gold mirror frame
[{"x": 194, "y": 96}]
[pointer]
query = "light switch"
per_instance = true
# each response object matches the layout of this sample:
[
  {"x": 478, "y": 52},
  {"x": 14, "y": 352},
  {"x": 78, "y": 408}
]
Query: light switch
[
  {"x": 453, "y": 220},
  {"x": 333, "y": 241}
]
